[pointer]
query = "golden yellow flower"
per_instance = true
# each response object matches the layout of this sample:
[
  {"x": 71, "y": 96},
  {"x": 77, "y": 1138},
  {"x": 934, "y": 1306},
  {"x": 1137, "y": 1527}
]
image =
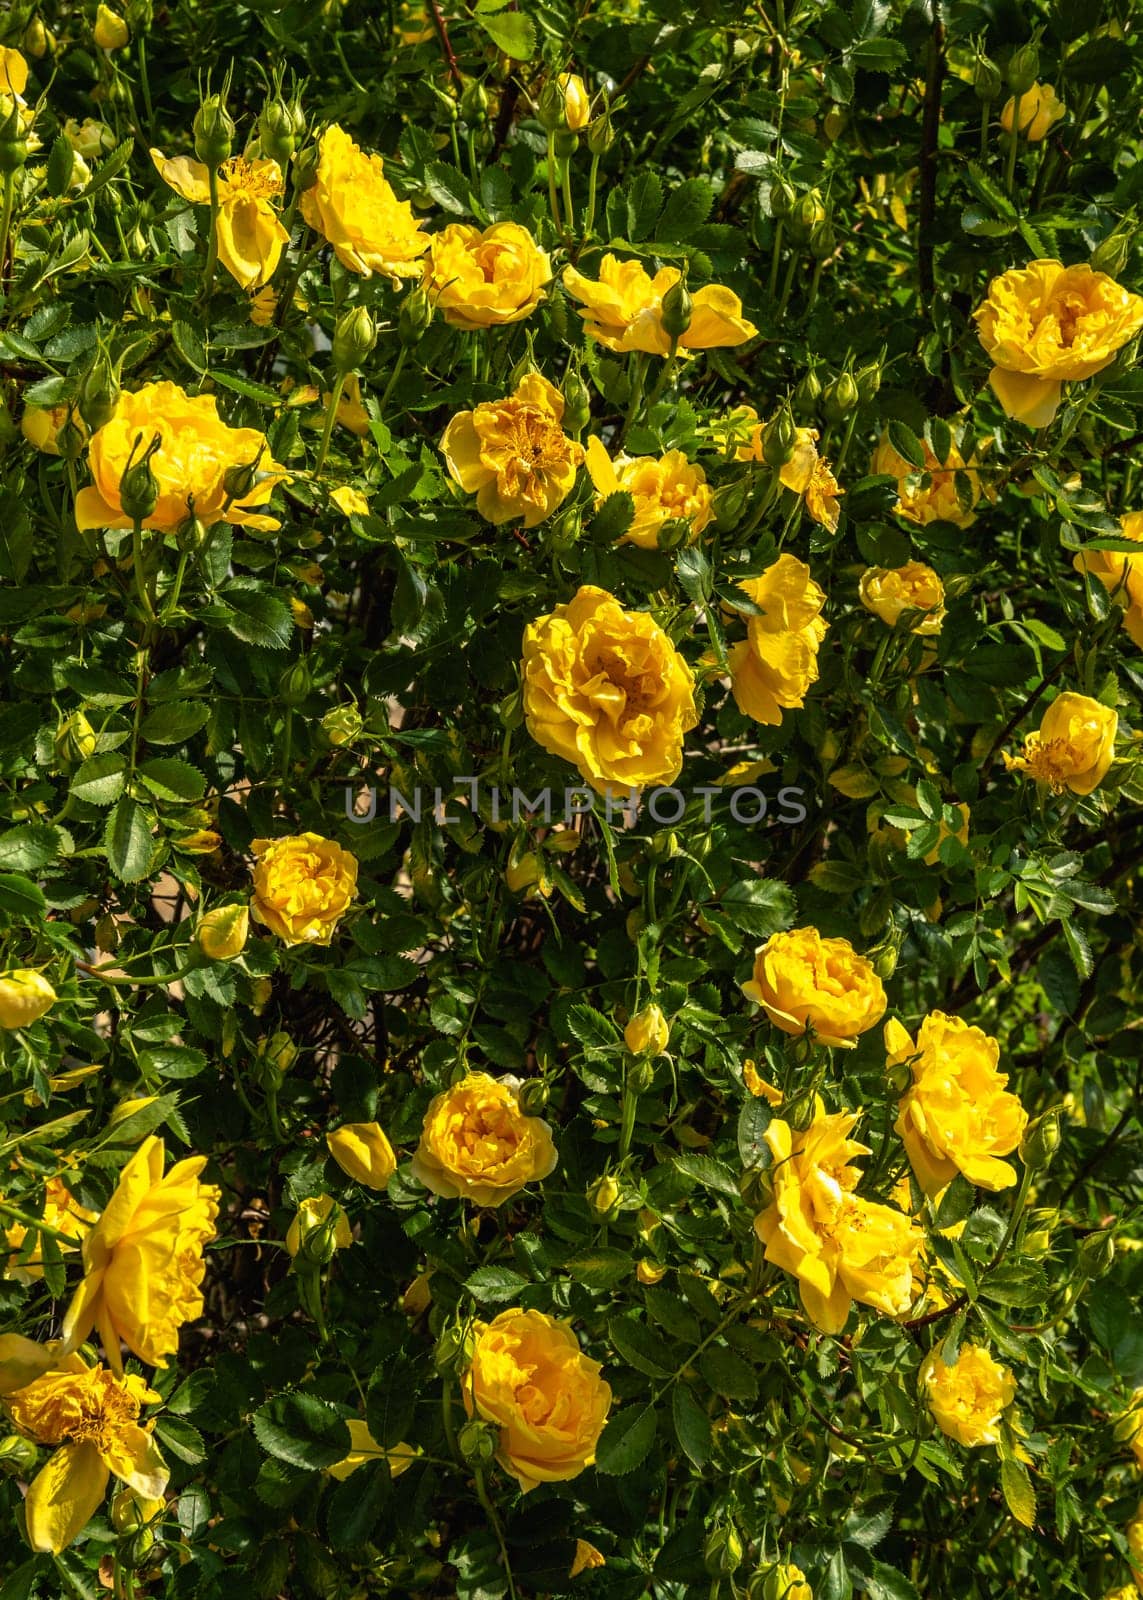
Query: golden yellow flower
[
  {"x": 577, "y": 115},
  {"x": 958, "y": 1115},
  {"x": 586, "y": 1557},
  {"x": 312, "y": 1217},
  {"x": 349, "y": 501},
  {"x": 143, "y": 1259},
  {"x": 606, "y": 690},
  {"x": 1074, "y": 747},
  {"x": 530, "y": 1379},
  {"x": 13, "y": 71},
  {"x": 191, "y": 463},
  {"x": 364, "y": 1447},
  {"x": 931, "y": 495},
  {"x": 222, "y": 933},
  {"x": 664, "y": 488},
  {"x": 1121, "y": 574},
  {"x": 250, "y": 233},
  {"x": 648, "y": 1033},
  {"x": 804, "y": 981},
  {"x": 264, "y": 308},
  {"x": 92, "y": 1417},
  {"x": 354, "y": 208},
  {"x": 890, "y": 591},
  {"x": 623, "y": 309},
  {"x": 476, "y": 1144},
  {"x": 513, "y": 453},
  {"x": 25, "y": 995},
  {"x": 839, "y": 1246},
  {"x": 1045, "y": 325},
  {"x": 786, "y": 1582},
  {"x": 773, "y": 668},
  {"x": 1040, "y": 108},
  {"x": 111, "y": 31},
  {"x": 968, "y": 1398},
  {"x": 303, "y": 886},
  {"x": 63, "y": 1212},
  {"x": 809, "y": 474},
  {"x": 363, "y": 1152},
  {"x": 40, "y": 425},
  {"x": 485, "y": 280}
]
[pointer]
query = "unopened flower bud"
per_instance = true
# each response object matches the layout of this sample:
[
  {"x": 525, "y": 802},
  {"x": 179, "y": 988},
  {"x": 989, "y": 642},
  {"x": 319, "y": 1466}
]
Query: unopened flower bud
[
  {"x": 755, "y": 1188},
  {"x": 565, "y": 143},
  {"x": 550, "y": 107},
  {"x": 474, "y": 104},
  {"x": 604, "y": 1196},
  {"x": 783, "y": 199},
  {"x": 779, "y": 439},
  {"x": 110, "y": 29},
  {"x": 319, "y": 1230},
  {"x": 36, "y": 39},
  {"x": 222, "y": 933},
  {"x": 214, "y": 132},
  {"x": 305, "y": 168},
  {"x": 353, "y": 339},
  {"x": 729, "y": 504},
  {"x": 69, "y": 439},
  {"x": 722, "y": 1552},
  {"x": 18, "y": 1456},
  {"x": 13, "y": 142},
  {"x": 664, "y": 845},
  {"x": 139, "y": 488},
  {"x": 868, "y": 381},
  {"x": 295, "y": 683},
  {"x": 98, "y": 393},
  {"x": 1023, "y": 68},
  {"x": 1041, "y": 1141},
  {"x": 840, "y": 398},
  {"x": 342, "y": 725},
  {"x": 674, "y": 533},
  {"x": 804, "y": 217},
  {"x": 478, "y": 1442},
  {"x": 140, "y": 1548},
  {"x": 453, "y": 1353},
  {"x": 807, "y": 395},
  {"x": 676, "y": 309},
  {"x": 280, "y": 126},
  {"x": 577, "y": 405},
  {"x": 986, "y": 80},
  {"x": 601, "y": 134},
  {"x": 414, "y": 317},
  {"x": 276, "y": 1055},
  {"x": 648, "y": 1032},
  {"x": 533, "y": 1096},
  {"x": 577, "y": 101},
  {"x": 1097, "y": 1253},
  {"x": 783, "y": 1582},
  {"x": 241, "y": 481},
  {"x": 1111, "y": 254},
  {"x": 823, "y": 240}
]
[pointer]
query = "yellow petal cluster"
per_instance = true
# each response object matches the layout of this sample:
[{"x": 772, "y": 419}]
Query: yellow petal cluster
[
  {"x": 352, "y": 205},
  {"x": 486, "y": 279},
  {"x": 25, "y": 996},
  {"x": 1045, "y": 325},
  {"x": 197, "y": 450},
  {"x": 968, "y": 1398},
  {"x": 1074, "y": 747},
  {"x": 958, "y": 1115},
  {"x": 664, "y": 488},
  {"x": 303, "y": 886},
  {"x": 772, "y": 669},
  {"x": 890, "y": 591},
  {"x": 513, "y": 453},
  {"x": 222, "y": 933},
  {"x": 1040, "y": 108},
  {"x": 61, "y": 1211},
  {"x": 250, "y": 234},
  {"x": 476, "y": 1144},
  {"x": 804, "y": 981},
  {"x": 809, "y": 474},
  {"x": 13, "y": 71},
  {"x": 531, "y": 1380},
  {"x": 1121, "y": 573},
  {"x": 931, "y": 495},
  {"x": 839, "y": 1246},
  {"x": 623, "y": 309},
  {"x": 606, "y": 690}
]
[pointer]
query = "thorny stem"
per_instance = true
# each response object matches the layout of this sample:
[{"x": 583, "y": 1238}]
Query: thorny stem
[
  {"x": 330, "y": 418},
  {"x": 1014, "y": 140}
]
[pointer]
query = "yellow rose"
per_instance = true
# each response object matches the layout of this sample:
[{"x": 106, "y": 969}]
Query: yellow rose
[
  {"x": 143, "y": 1260},
  {"x": 623, "y": 310},
  {"x": 319, "y": 1215},
  {"x": 648, "y": 1033},
  {"x": 25, "y": 995},
  {"x": 530, "y": 1379},
  {"x": 1120, "y": 573},
  {"x": 1074, "y": 747},
  {"x": 41, "y": 425},
  {"x": 88, "y": 138},
  {"x": 92, "y": 1417},
  {"x": 664, "y": 488},
  {"x": 513, "y": 454},
  {"x": 63, "y": 1212},
  {"x": 931, "y": 495},
  {"x": 485, "y": 280},
  {"x": 958, "y": 1115},
  {"x": 354, "y": 208},
  {"x": 839, "y": 1246},
  {"x": 577, "y": 109},
  {"x": 364, "y": 1447},
  {"x": 191, "y": 463},
  {"x": 808, "y": 474},
  {"x": 13, "y": 71},
  {"x": 1045, "y": 325},
  {"x": 890, "y": 591},
  {"x": 1040, "y": 108},
  {"x": 773, "y": 668},
  {"x": 476, "y": 1144},
  {"x": 804, "y": 981},
  {"x": 303, "y": 886},
  {"x": 251, "y": 236},
  {"x": 606, "y": 690},
  {"x": 363, "y": 1152},
  {"x": 110, "y": 29},
  {"x": 223, "y": 932},
  {"x": 967, "y": 1399}
]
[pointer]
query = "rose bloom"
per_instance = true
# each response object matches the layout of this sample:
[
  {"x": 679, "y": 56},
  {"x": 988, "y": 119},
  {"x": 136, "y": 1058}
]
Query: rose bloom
[
  {"x": 364, "y": 1447},
  {"x": 577, "y": 101},
  {"x": 41, "y": 426},
  {"x": 513, "y": 454},
  {"x": 303, "y": 886},
  {"x": 623, "y": 310},
  {"x": 809, "y": 474},
  {"x": 196, "y": 452},
  {"x": 63, "y": 1212},
  {"x": 786, "y": 1582},
  {"x": 363, "y": 1152},
  {"x": 92, "y": 1417},
  {"x": 530, "y": 1379},
  {"x": 250, "y": 234},
  {"x": 958, "y": 1115},
  {"x": 1045, "y": 325},
  {"x": 802, "y": 980},
  {"x": 967, "y": 1399},
  {"x": 1074, "y": 747},
  {"x": 25, "y": 995},
  {"x": 476, "y": 1144},
  {"x": 485, "y": 280},
  {"x": 928, "y": 496},
  {"x": 606, "y": 690},
  {"x": 1040, "y": 107},
  {"x": 143, "y": 1260},
  {"x": 772, "y": 670},
  {"x": 839, "y": 1246},
  {"x": 1121, "y": 574},
  {"x": 354, "y": 208},
  {"x": 890, "y": 591},
  {"x": 88, "y": 138},
  {"x": 664, "y": 488}
]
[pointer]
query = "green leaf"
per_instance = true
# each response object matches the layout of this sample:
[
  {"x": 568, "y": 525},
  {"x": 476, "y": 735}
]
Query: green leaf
[
  {"x": 710, "y": 1173},
  {"x": 173, "y": 1061},
  {"x": 99, "y": 780},
  {"x": 1018, "y": 1491},
  {"x": 886, "y": 1583},
  {"x": 247, "y": 388},
  {"x": 728, "y": 1373},
  {"x": 391, "y": 1401},
  {"x": 181, "y": 1438},
  {"x": 695, "y": 574},
  {"x": 495, "y": 1285},
  {"x": 759, "y": 906},
  {"x": 127, "y": 840},
  {"x": 753, "y": 1120},
  {"x": 20, "y": 897},
  {"x": 906, "y": 444},
  {"x": 449, "y": 189},
  {"x": 640, "y": 1347},
  {"x": 692, "y": 1425},
  {"x": 174, "y": 722},
  {"x": 511, "y": 32},
  {"x": 593, "y": 1030},
  {"x": 644, "y": 202},
  {"x": 259, "y": 618},
  {"x": 686, "y": 210},
  {"x": 302, "y": 1431},
  {"x": 599, "y": 1269},
  {"x": 169, "y": 779},
  {"x": 29, "y": 847},
  {"x": 355, "y": 1505},
  {"x": 626, "y": 1440},
  {"x": 956, "y": 1203},
  {"x": 613, "y": 518}
]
